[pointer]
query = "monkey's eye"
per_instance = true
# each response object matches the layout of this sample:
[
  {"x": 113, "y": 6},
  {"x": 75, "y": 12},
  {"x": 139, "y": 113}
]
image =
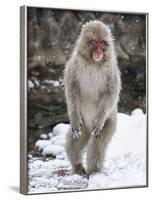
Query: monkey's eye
[
  {"x": 104, "y": 43},
  {"x": 91, "y": 42}
]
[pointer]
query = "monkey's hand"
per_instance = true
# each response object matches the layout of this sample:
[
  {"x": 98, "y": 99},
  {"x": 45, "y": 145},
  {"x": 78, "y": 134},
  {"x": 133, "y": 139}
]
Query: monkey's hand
[
  {"x": 96, "y": 128},
  {"x": 76, "y": 125},
  {"x": 95, "y": 131},
  {"x": 76, "y": 133}
]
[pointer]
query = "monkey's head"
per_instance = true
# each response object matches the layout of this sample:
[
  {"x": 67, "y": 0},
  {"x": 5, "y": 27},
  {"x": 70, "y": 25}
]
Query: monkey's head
[{"x": 95, "y": 42}]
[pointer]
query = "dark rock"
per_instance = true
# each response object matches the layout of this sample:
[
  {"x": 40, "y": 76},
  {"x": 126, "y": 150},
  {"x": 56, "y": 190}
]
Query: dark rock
[
  {"x": 52, "y": 33},
  {"x": 86, "y": 17},
  {"x": 70, "y": 29}
]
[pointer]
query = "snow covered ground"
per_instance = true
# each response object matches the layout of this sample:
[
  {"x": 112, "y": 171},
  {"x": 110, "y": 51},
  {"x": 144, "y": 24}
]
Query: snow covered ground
[{"x": 125, "y": 161}]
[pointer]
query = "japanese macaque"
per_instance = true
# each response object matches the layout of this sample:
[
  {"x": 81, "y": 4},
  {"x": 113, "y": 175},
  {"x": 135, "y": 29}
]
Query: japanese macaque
[{"x": 92, "y": 86}]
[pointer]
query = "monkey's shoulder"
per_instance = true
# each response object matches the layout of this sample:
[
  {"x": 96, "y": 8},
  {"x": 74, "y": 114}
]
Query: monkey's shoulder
[{"x": 70, "y": 70}]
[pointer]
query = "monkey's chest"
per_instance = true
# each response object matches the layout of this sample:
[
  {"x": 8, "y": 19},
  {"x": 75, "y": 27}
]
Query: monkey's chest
[
  {"x": 91, "y": 87},
  {"x": 92, "y": 84}
]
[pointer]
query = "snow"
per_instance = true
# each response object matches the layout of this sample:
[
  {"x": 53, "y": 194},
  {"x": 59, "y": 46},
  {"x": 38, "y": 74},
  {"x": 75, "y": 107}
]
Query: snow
[
  {"x": 43, "y": 136},
  {"x": 124, "y": 165},
  {"x": 30, "y": 84},
  {"x": 41, "y": 144},
  {"x": 53, "y": 150},
  {"x": 52, "y": 82},
  {"x": 59, "y": 140},
  {"x": 137, "y": 112},
  {"x": 60, "y": 129}
]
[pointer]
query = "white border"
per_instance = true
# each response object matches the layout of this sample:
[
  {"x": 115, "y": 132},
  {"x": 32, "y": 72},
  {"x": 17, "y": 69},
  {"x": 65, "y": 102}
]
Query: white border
[{"x": 9, "y": 101}]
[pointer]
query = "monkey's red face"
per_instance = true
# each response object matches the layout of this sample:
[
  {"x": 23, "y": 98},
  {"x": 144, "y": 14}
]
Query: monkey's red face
[{"x": 97, "y": 49}]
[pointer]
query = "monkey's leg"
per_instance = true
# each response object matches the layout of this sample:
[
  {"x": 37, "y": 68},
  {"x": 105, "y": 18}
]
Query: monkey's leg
[
  {"x": 74, "y": 149},
  {"x": 97, "y": 146}
]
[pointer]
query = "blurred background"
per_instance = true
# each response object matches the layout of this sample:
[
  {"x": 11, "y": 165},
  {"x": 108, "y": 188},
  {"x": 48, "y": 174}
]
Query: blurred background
[{"x": 51, "y": 37}]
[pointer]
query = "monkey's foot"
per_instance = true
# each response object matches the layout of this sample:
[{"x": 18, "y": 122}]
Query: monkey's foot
[
  {"x": 87, "y": 176},
  {"x": 79, "y": 169},
  {"x": 76, "y": 133},
  {"x": 93, "y": 171}
]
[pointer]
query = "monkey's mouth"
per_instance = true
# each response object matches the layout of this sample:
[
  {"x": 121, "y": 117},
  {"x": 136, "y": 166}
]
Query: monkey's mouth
[{"x": 97, "y": 55}]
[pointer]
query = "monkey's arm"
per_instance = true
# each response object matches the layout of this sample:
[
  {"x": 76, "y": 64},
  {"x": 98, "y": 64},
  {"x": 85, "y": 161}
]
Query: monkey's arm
[
  {"x": 72, "y": 98},
  {"x": 108, "y": 100}
]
